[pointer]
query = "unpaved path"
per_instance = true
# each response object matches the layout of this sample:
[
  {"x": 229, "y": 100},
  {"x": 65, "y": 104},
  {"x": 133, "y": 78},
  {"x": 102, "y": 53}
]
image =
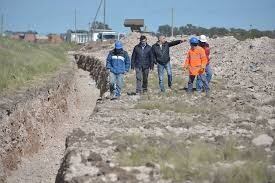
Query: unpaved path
[{"x": 43, "y": 166}]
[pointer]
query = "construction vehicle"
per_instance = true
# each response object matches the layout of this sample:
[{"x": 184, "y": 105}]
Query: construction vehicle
[{"x": 134, "y": 24}]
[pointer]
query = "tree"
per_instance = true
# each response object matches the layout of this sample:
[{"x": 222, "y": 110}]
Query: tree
[
  {"x": 165, "y": 30},
  {"x": 100, "y": 25},
  {"x": 240, "y": 34}
]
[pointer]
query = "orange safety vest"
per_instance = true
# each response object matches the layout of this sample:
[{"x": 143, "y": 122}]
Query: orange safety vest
[{"x": 196, "y": 60}]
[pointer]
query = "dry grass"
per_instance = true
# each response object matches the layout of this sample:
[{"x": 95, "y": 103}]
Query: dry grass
[
  {"x": 197, "y": 162},
  {"x": 178, "y": 107},
  {"x": 21, "y": 62}
]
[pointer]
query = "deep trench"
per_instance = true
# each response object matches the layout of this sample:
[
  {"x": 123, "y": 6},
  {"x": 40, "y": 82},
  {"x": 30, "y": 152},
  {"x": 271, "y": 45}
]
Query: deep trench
[{"x": 65, "y": 102}]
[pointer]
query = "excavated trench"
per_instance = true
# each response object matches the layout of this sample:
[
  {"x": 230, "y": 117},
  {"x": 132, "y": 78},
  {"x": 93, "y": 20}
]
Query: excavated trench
[{"x": 34, "y": 123}]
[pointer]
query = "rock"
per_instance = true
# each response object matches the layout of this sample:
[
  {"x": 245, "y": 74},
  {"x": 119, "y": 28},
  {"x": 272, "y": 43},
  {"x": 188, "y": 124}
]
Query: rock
[{"x": 263, "y": 140}]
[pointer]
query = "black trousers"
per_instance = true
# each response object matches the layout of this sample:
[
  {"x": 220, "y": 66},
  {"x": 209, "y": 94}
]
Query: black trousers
[{"x": 141, "y": 79}]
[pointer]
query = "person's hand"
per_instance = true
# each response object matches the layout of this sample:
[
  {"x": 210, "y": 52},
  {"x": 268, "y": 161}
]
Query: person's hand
[
  {"x": 202, "y": 70},
  {"x": 185, "y": 67}
]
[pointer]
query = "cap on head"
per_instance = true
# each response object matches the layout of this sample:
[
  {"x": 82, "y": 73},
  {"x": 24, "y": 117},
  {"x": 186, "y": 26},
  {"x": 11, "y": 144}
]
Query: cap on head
[
  {"x": 203, "y": 39},
  {"x": 194, "y": 40},
  {"x": 118, "y": 45}
]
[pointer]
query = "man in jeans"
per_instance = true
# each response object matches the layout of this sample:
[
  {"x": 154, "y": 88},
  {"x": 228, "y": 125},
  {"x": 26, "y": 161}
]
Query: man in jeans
[
  {"x": 142, "y": 62},
  {"x": 161, "y": 56},
  {"x": 208, "y": 70},
  {"x": 118, "y": 63}
]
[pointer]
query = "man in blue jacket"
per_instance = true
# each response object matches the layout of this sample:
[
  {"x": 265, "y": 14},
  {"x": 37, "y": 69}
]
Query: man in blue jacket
[
  {"x": 118, "y": 63},
  {"x": 142, "y": 62}
]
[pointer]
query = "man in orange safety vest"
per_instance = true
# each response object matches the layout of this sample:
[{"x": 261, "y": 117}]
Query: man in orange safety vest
[{"x": 195, "y": 62}]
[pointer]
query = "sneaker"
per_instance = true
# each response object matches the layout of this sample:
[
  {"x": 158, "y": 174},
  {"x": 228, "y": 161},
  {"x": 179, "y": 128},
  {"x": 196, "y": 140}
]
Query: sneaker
[{"x": 115, "y": 98}]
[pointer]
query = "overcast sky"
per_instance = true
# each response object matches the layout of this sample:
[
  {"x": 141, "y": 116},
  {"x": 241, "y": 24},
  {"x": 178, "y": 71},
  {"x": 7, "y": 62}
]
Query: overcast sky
[{"x": 57, "y": 16}]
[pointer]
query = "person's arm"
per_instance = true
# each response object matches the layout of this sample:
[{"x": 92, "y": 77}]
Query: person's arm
[
  {"x": 151, "y": 57},
  {"x": 127, "y": 62},
  {"x": 108, "y": 62},
  {"x": 174, "y": 43},
  {"x": 187, "y": 61},
  {"x": 203, "y": 59},
  {"x": 207, "y": 52},
  {"x": 133, "y": 59}
]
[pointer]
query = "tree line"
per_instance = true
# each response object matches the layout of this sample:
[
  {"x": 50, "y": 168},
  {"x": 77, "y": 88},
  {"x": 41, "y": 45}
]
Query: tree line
[{"x": 238, "y": 33}]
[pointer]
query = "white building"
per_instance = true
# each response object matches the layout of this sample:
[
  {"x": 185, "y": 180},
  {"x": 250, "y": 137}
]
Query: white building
[{"x": 79, "y": 37}]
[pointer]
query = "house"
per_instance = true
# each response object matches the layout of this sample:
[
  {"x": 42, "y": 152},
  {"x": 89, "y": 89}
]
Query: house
[
  {"x": 54, "y": 38},
  {"x": 42, "y": 39},
  {"x": 30, "y": 37},
  {"x": 79, "y": 36},
  {"x": 17, "y": 35}
]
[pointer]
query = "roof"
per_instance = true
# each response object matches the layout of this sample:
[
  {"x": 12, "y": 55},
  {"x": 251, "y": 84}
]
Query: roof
[{"x": 134, "y": 22}]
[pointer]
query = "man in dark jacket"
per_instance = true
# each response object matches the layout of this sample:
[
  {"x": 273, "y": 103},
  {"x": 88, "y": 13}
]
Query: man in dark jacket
[
  {"x": 161, "y": 57},
  {"x": 118, "y": 63},
  {"x": 141, "y": 62}
]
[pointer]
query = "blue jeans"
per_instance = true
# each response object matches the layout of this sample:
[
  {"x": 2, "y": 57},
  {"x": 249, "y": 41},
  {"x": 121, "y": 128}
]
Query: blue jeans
[
  {"x": 116, "y": 84},
  {"x": 208, "y": 75},
  {"x": 202, "y": 79},
  {"x": 168, "y": 69}
]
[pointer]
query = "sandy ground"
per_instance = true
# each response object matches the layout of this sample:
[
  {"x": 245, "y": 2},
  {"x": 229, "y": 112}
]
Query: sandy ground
[{"x": 43, "y": 166}]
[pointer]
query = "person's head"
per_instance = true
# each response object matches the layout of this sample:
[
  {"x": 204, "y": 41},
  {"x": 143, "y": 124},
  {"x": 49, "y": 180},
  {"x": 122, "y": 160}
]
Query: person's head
[
  {"x": 118, "y": 45},
  {"x": 143, "y": 40},
  {"x": 202, "y": 39},
  {"x": 194, "y": 42},
  {"x": 161, "y": 39}
]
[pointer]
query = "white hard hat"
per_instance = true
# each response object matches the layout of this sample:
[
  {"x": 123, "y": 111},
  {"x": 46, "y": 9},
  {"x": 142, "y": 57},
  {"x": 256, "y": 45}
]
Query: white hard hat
[{"x": 203, "y": 38}]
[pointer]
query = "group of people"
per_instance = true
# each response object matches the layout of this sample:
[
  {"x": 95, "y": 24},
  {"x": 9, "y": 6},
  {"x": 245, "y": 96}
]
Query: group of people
[{"x": 145, "y": 57}]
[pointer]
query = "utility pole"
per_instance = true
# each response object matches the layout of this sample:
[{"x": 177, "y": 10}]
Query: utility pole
[
  {"x": 98, "y": 9},
  {"x": 104, "y": 14},
  {"x": 75, "y": 24},
  {"x": 2, "y": 24},
  {"x": 172, "y": 26}
]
